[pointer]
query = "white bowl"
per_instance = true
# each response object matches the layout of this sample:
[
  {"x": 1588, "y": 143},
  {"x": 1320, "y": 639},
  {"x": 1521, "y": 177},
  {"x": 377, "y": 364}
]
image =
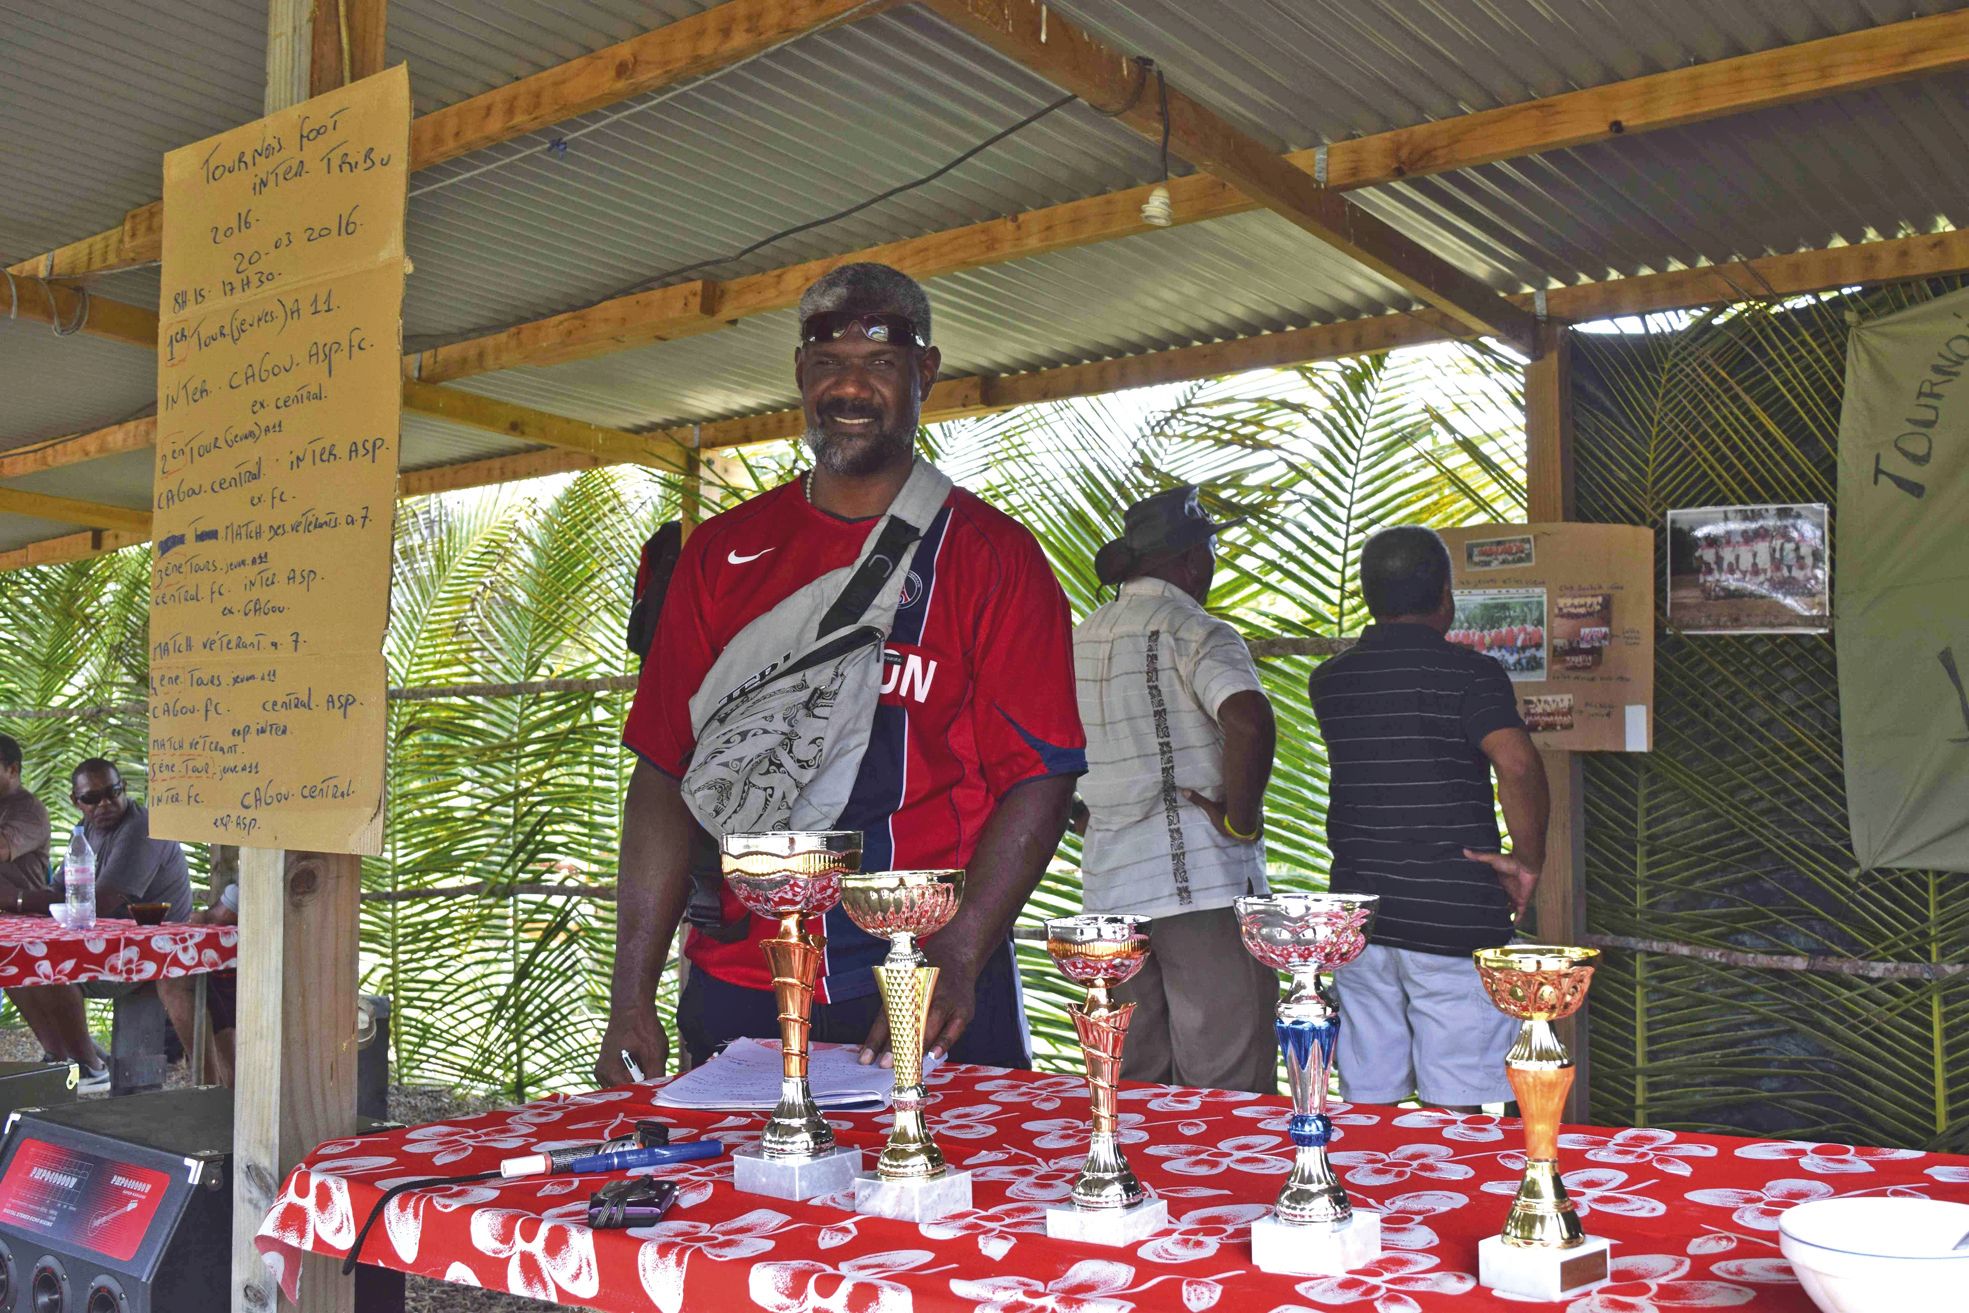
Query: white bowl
[{"x": 1879, "y": 1255}]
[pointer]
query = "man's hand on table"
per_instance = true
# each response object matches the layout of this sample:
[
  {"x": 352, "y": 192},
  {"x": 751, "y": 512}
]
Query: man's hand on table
[
  {"x": 29, "y": 902},
  {"x": 641, "y": 1034},
  {"x": 952, "y": 1005}
]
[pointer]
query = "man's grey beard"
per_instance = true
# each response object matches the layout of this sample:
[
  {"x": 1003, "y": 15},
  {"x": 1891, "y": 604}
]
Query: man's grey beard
[{"x": 837, "y": 457}]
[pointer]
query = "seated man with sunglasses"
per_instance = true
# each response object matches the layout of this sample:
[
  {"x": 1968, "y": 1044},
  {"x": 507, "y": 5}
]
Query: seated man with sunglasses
[
  {"x": 131, "y": 867},
  {"x": 975, "y": 742}
]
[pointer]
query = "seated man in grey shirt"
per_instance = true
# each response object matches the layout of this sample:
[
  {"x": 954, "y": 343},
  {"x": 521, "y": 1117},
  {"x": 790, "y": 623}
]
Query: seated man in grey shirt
[{"x": 131, "y": 867}]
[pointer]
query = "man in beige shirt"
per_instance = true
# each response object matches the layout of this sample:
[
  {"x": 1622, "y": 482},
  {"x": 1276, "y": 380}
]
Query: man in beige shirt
[{"x": 23, "y": 832}]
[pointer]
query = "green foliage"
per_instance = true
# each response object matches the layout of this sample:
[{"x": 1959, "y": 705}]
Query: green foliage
[
  {"x": 531, "y": 582},
  {"x": 1732, "y": 833}
]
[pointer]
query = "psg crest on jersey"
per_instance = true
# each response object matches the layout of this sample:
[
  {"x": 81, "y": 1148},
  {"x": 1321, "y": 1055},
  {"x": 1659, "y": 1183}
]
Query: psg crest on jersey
[{"x": 912, "y": 590}]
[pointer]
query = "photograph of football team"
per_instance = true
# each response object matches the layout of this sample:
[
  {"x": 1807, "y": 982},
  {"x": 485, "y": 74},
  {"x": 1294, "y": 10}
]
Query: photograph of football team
[{"x": 1749, "y": 569}]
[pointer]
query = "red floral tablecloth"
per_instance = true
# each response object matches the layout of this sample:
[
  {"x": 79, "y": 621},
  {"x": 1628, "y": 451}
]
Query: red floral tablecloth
[
  {"x": 1693, "y": 1217},
  {"x": 36, "y": 951}
]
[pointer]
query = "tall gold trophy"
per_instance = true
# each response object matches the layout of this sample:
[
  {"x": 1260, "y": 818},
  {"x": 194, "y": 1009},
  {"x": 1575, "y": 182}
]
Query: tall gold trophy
[
  {"x": 910, "y": 1180},
  {"x": 1109, "y": 1206},
  {"x": 789, "y": 876},
  {"x": 1543, "y": 1252}
]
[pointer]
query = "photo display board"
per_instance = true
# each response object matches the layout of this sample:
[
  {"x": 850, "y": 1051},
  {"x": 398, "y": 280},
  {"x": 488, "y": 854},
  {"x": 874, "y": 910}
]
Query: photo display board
[
  {"x": 279, "y": 399},
  {"x": 1568, "y": 610}
]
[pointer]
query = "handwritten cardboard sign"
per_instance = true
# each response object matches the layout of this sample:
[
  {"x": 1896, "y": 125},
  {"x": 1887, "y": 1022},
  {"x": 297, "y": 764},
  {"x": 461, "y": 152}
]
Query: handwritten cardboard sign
[
  {"x": 278, "y": 406},
  {"x": 1568, "y": 610}
]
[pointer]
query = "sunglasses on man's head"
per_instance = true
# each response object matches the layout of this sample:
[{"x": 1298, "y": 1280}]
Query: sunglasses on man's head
[
  {"x": 94, "y": 797},
  {"x": 833, "y": 325}
]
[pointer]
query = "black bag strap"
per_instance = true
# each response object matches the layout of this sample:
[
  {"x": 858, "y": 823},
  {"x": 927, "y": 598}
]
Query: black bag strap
[{"x": 867, "y": 582}]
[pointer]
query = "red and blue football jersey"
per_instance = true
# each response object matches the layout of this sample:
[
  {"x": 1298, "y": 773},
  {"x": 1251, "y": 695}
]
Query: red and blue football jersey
[{"x": 977, "y": 689}]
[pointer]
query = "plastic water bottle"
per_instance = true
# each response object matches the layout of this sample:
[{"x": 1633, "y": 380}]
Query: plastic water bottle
[{"x": 79, "y": 882}]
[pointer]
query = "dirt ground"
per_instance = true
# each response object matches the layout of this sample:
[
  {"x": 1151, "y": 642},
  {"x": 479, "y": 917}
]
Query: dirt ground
[
  {"x": 1688, "y": 609},
  {"x": 412, "y": 1105}
]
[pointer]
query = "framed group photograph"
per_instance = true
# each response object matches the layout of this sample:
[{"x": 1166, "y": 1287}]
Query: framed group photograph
[
  {"x": 1749, "y": 570},
  {"x": 1505, "y": 624}
]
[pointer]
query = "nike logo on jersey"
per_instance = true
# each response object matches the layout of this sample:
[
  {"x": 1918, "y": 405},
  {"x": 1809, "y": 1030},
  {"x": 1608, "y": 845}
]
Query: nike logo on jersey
[{"x": 734, "y": 558}]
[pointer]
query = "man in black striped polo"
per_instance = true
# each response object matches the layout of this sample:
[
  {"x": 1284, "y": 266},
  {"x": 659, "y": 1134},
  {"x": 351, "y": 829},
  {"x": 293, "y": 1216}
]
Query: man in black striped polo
[{"x": 1414, "y": 727}]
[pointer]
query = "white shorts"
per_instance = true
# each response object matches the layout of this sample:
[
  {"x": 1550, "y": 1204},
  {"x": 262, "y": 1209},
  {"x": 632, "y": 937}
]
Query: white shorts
[{"x": 1420, "y": 1025}]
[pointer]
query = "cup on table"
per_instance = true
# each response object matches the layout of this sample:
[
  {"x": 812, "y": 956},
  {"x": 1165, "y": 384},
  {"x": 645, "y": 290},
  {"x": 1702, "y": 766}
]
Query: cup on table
[{"x": 149, "y": 913}]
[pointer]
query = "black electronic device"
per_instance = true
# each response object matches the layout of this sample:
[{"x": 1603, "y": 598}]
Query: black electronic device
[
  {"x": 35, "y": 1085},
  {"x": 125, "y": 1206}
]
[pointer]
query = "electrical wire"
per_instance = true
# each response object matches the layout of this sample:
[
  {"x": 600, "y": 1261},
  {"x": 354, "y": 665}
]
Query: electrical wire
[
  {"x": 559, "y": 143},
  {"x": 854, "y": 209},
  {"x": 402, "y": 1187},
  {"x": 795, "y": 230}
]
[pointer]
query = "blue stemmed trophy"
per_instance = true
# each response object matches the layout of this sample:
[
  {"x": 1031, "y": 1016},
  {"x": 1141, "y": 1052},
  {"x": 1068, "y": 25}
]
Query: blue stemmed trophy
[{"x": 1313, "y": 1229}]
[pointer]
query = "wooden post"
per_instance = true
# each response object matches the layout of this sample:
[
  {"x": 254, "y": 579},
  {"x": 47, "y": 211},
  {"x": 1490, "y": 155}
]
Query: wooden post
[
  {"x": 1559, "y": 903},
  {"x": 295, "y": 1084}
]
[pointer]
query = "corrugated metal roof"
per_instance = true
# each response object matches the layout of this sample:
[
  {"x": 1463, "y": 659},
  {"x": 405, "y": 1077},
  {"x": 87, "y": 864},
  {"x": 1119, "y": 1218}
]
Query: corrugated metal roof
[
  {"x": 1250, "y": 274},
  {"x": 428, "y": 441},
  {"x": 97, "y": 91},
  {"x": 460, "y": 48},
  {"x": 113, "y": 481},
  {"x": 1307, "y": 71},
  {"x": 50, "y": 386},
  {"x": 813, "y": 128},
  {"x": 20, "y": 530}
]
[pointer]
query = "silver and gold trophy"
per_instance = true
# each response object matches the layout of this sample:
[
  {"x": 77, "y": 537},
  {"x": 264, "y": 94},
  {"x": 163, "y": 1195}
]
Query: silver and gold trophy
[
  {"x": 789, "y": 876},
  {"x": 1543, "y": 1252},
  {"x": 1109, "y": 1206},
  {"x": 1314, "y": 1229},
  {"x": 910, "y": 1180}
]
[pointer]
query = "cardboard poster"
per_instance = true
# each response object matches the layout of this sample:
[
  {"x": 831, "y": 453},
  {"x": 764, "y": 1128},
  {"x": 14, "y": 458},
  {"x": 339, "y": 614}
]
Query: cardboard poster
[
  {"x": 278, "y": 409},
  {"x": 1568, "y": 610}
]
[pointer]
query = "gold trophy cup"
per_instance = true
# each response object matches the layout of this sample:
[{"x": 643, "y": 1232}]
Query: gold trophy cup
[
  {"x": 1109, "y": 1205},
  {"x": 1543, "y": 1252},
  {"x": 910, "y": 1180},
  {"x": 791, "y": 875}
]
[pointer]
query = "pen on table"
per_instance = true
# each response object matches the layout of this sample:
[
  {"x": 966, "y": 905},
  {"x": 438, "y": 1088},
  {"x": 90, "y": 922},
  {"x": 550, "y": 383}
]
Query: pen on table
[
  {"x": 615, "y": 1160},
  {"x": 629, "y": 1064}
]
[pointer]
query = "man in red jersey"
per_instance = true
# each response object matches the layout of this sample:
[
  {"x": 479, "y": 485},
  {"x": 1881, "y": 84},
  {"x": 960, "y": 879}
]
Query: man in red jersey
[{"x": 976, "y": 741}]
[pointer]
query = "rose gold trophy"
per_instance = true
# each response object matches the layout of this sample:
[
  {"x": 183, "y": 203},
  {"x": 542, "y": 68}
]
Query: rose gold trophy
[
  {"x": 790, "y": 876},
  {"x": 1543, "y": 1252},
  {"x": 1109, "y": 1206}
]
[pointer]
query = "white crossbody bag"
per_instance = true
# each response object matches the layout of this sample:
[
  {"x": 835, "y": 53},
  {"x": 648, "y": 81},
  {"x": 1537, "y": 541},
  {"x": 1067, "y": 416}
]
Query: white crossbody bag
[{"x": 783, "y": 718}]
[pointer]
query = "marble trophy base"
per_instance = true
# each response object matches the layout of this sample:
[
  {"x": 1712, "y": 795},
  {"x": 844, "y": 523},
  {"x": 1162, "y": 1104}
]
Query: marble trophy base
[
  {"x": 1315, "y": 1249},
  {"x": 913, "y": 1201},
  {"x": 1540, "y": 1272},
  {"x": 794, "y": 1178},
  {"x": 1107, "y": 1226}
]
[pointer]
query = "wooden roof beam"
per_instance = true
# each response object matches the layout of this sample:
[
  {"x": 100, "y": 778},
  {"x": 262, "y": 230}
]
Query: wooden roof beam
[
  {"x": 1705, "y": 91},
  {"x": 659, "y": 449},
  {"x": 116, "y": 440},
  {"x": 1041, "y": 39},
  {"x": 1779, "y": 275},
  {"x": 1856, "y": 60},
  {"x": 74, "y": 310},
  {"x": 69, "y": 547},
  {"x": 688, "y": 48},
  {"x": 66, "y": 510}
]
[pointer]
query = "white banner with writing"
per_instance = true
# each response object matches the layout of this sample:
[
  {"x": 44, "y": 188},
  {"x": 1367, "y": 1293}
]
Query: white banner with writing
[{"x": 1902, "y": 610}]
